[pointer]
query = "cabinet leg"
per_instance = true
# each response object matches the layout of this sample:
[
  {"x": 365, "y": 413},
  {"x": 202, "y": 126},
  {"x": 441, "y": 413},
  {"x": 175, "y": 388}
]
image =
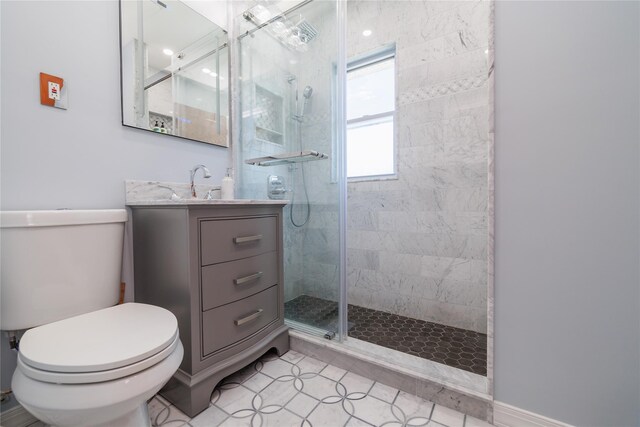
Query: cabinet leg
[
  {"x": 281, "y": 343},
  {"x": 191, "y": 400},
  {"x": 195, "y": 398}
]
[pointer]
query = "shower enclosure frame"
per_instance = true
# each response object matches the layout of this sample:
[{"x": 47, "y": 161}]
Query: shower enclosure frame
[{"x": 340, "y": 143}]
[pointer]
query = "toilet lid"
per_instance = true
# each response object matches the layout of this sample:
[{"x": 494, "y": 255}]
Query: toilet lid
[{"x": 101, "y": 340}]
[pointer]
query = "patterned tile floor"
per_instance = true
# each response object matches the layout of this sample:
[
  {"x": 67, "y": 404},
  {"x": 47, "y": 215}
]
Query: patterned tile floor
[
  {"x": 297, "y": 390},
  {"x": 451, "y": 346}
]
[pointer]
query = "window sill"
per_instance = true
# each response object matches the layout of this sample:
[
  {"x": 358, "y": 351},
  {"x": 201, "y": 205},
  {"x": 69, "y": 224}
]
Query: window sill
[{"x": 355, "y": 179}]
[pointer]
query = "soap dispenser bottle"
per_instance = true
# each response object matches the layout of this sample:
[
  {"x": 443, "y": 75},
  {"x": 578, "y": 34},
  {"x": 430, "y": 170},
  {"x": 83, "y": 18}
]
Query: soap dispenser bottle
[{"x": 227, "y": 186}]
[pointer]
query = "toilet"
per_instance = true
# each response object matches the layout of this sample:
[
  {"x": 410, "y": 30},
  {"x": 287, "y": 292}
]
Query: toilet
[{"x": 83, "y": 360}]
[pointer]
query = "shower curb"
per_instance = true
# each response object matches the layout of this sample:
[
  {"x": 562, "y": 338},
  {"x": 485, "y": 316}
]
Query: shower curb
[{"x": 470, "y": 402}]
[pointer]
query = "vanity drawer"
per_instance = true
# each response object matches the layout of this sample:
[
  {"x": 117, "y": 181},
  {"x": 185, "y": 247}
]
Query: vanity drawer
[
  {"x": 231, "y": 239},
  {"x": 230, "y": 281},
  {"x": 233, "y": 322}
]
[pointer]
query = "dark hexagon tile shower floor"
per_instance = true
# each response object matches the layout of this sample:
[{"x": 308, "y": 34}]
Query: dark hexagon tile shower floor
[{"x": 459, "y": 348}]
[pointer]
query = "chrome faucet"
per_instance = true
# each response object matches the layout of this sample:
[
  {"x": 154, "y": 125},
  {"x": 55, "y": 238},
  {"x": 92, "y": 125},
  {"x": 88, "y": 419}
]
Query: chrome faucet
[{"x": 193, "y": 171}]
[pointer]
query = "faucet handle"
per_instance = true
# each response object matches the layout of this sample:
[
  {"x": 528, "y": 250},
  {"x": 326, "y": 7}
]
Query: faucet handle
[
  {"x": 209, "y": 195},
  {"x": 174, "y": 197}
]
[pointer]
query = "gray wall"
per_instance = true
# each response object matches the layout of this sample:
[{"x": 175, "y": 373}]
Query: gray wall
[
  {"x": 567, "y": 208},
  {"x": 78, "y": 158}
]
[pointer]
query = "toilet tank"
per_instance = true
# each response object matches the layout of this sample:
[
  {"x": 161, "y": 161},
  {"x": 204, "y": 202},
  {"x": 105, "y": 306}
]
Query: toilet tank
[{"x": 58, "y": 264}]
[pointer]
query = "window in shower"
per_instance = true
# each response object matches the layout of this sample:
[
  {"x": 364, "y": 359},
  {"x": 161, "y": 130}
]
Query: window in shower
[{"x": 370, "y": 115}]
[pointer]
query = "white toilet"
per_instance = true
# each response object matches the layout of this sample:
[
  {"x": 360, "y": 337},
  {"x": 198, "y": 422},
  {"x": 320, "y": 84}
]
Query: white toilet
[{"x": 83, "y": 360}]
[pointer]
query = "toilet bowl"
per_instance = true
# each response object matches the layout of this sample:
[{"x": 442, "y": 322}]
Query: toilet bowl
[
  {"x": 83, "y": 360},
  {"x": 98, "y": 368}
]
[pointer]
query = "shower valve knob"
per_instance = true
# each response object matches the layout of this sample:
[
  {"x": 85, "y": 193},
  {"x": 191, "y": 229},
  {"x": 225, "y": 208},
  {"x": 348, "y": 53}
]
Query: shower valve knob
[{"x": 275, "y": 187}]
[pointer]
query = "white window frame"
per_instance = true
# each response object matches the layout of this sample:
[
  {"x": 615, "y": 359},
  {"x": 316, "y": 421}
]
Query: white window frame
[{"x": 368, "y": 59}]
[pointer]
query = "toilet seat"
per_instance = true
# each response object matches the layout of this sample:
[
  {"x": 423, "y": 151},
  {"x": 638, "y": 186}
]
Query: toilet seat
[{"x": 99, "y": 346}]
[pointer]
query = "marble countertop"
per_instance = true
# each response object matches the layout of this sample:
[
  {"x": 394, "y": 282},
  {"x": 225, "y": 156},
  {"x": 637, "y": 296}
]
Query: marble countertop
[
  {"x": 201, "y": 202},
  {"x": 177, "y": 194}
]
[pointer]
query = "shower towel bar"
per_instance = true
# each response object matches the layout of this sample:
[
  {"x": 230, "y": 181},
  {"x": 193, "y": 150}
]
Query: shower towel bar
[{"x": 285, "y": 158}]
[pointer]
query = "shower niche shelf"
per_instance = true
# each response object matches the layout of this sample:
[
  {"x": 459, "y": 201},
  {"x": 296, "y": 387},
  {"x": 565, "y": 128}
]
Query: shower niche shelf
[
  {"x": 269, "y": 116},
  {"x": 287, "y": 158},
  {"x": 268, "y": 135}
]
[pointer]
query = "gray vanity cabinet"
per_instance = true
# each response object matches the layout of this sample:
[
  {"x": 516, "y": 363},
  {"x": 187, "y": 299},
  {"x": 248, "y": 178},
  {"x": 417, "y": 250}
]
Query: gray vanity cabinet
[{"x": 219, "y": 269}]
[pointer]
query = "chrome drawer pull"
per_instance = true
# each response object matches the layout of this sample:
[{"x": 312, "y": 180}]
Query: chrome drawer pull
[
  {"x": 249, "y": 318},
  {"x": 247, "y": 239},
  {"x": 246, "y": 279}
]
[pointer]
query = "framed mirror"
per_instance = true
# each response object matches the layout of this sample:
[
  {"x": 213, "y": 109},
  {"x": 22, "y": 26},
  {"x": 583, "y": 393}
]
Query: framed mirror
[{"x": 174, "y": 66}]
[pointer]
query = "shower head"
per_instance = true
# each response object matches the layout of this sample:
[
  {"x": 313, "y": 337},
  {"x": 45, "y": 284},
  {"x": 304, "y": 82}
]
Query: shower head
[
  {"x": 305, "y": 31},
  {"x": 308, "y": 91}
]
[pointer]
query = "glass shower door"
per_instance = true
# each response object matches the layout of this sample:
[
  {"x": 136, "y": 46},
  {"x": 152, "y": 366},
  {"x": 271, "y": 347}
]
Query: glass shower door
[{"x": 287, "y": 80}]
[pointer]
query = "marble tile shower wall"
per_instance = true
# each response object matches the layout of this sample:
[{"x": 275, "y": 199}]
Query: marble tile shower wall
[{"x": 417, "y": 246}]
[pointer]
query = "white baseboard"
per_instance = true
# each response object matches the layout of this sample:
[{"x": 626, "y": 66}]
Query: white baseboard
[
  {"x": 509, "y": 416},
  {"x": 16, "y": 417}
]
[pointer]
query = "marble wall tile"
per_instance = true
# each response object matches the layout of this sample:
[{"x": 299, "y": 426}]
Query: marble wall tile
[
  {"x": 402, "y": 263},
  {"x": 465, "y": 199},
  {"x": 442, "y": 176},
  {"x": 417, "y": 156},
  {"x": 460, "y": 42},
  {"x": 449, "y": 69},
  {"x": 392, "y": 282},
  {"x": 446, "y": 268},
  {"x": 466, "y": 103},
  {"x": 386, "y": 196},
  {"x": 465, "y": 150},
  {"x": 425, "y": 111},
  {"x": 469, "y": 18},
  {"x": 437, "y": 222},
  {"x": 361, "y": 220},
  {"x": 363, "y": 258},
  {"x": 365, "y": 239},
  {"x": 409, "y": 56},
  {"x": 430, "y": 134},
  {"x": 321, "y": 280},
  {"x": 461, "y": 316},
  {"x": 474, "y": 125},
  {"x": 463, "y": 293}
]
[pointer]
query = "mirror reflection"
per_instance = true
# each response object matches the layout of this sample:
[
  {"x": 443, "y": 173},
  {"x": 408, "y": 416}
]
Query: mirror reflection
[{"x": 174, "y": 65}]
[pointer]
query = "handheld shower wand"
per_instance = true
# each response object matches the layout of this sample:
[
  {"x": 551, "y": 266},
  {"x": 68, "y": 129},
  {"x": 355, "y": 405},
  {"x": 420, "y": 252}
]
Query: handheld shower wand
[{"x": 306, "y": 93}]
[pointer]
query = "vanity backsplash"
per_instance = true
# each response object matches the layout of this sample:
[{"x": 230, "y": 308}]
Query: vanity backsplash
[{"x": 145, "y": 191}]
